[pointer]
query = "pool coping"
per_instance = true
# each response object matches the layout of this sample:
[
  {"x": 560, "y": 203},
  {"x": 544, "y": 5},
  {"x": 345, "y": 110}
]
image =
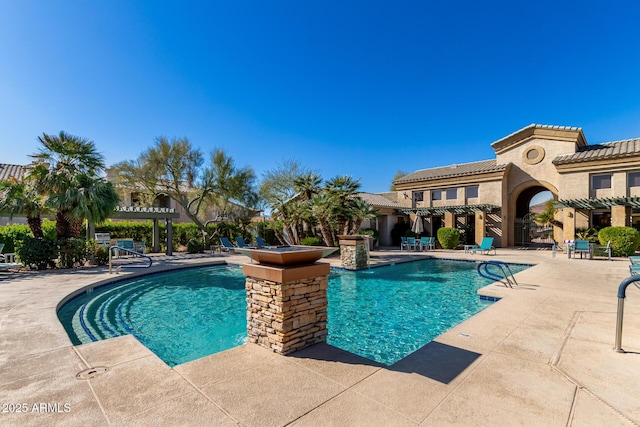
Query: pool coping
[{"x": 549, "y": 342}]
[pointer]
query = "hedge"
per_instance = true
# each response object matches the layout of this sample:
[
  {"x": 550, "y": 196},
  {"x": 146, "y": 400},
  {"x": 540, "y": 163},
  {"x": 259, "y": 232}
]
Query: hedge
[
  {"x": 624, "y": 240},
  {"x": 448, "y": 237}
]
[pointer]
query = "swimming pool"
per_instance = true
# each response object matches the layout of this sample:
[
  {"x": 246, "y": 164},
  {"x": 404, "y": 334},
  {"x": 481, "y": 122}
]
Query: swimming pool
[{"x": 382, "y": 314}]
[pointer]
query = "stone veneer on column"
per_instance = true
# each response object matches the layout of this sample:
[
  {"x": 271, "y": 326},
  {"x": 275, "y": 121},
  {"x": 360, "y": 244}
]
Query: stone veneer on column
[
  {"x": 353, "y": 252},
  {"x": 286, "y": 306}
]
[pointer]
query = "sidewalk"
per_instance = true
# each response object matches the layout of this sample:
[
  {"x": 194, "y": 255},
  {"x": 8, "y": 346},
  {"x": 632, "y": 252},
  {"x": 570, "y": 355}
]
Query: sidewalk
[{"x": 540, "y": 356}]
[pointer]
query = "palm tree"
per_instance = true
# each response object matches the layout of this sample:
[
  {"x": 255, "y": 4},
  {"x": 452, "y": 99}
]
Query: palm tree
[
  {"x": 323, "y": 208},
  {"x": 20, "y": 198},
  {"x": 67, "y": 172},
  {"x": 342, "y": 189},
  {"x": 359, "y": 210}
]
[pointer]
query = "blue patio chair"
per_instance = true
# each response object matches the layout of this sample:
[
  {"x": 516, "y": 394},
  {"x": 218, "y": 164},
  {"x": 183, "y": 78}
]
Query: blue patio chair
[
  {"x": 582, "y": 247},
  {"x": 424, "y": 243},
  {"x": 485, "y": 246},
  {"x": 261, "y": 243},
  {"x": 241, "y": 243},
  {"x": 411, "y": 243},
  {"x": 403, "y": 243},
  {"x": 226, "y": 244},
  {"x": 603, "y": 250},
  {"x": 432, "y": 243}
]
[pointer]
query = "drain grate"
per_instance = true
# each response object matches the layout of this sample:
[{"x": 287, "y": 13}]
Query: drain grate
[{"x": 87, "y": 374}]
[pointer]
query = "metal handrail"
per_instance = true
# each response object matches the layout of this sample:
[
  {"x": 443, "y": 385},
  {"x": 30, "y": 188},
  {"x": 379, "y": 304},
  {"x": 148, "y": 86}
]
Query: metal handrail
[
  {"x": 129, "y": 251},
  {"x": 622, "y": 293},
  {"x": 509, "y": 279}
]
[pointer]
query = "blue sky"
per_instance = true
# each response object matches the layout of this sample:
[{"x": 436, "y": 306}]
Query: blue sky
[{"x": 346, "y": 88}]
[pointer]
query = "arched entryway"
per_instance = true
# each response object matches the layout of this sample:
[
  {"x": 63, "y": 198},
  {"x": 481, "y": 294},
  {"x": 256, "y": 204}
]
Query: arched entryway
[{"x": 529, "y": 203}]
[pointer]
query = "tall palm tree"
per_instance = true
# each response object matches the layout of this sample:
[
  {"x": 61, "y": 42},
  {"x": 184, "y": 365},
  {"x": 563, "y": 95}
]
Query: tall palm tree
[
  {"x": 67, "y": 170},
  {"x": 20, "y": 198},
  {"x": 359, "y": 210},
  {"x": 342, "y": 189},
  {"x": 323, "y": 207}
]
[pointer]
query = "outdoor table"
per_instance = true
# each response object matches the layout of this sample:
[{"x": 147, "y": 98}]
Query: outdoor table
[{"x": 467, "y": 248}]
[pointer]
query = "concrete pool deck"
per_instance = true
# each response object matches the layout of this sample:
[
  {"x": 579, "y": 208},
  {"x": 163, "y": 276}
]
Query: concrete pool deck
[{"x": 543, "y": 355}]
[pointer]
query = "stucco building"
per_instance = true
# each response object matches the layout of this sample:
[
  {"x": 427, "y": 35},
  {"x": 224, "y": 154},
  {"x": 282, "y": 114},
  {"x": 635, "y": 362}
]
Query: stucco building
[{"x": 592, "y": 185}]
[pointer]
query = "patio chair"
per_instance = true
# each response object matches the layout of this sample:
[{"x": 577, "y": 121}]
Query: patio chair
[
  {"x": 1, "y": 248},
  {"x": 6, "y": 266},
  {"x": 403, "y": 243},
  {"x": 427, "y": 243},
  {"x": 226, "y": 244},
  {"x": 261, "y": 243},
  {"x": 242, "y": 244},
  {"x": 424, "y": 243},
  {"x": 485, "y": 246},
  {"x": 411, "y": 243},
  {"x": 582, "y": 247},
  {"x": 603, "y": 250}
]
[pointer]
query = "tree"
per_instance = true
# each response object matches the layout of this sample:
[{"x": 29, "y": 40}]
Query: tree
[
  {"x": 175, "y": 168},
  {"x": 548, "y": 215},
  {"x": 343, "y": 189},
  {"x": 21, "y": 198},
  {"x": 359, "y": 210},
  {"x": 67, "y": 173},
  {"x": 399, "y": 174}
]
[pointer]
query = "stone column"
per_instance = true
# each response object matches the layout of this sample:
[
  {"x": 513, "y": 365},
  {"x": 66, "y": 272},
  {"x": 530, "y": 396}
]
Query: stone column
[
  {"x": 354, "y": 253},
  {"x": 286, "y": 306},
  {"x": 449, "y": 219},
  {"x": 569, "y": 223},
  {"x": 481, "y": 224},
  {"x": 620, "y": 216}
]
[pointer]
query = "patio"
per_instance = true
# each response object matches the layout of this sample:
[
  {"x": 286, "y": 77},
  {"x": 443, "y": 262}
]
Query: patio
[{"x": 542, "y": 355}]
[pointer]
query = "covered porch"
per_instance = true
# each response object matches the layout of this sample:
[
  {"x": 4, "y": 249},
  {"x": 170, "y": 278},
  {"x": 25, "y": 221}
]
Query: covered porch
[{"x": 143, "y": 214}]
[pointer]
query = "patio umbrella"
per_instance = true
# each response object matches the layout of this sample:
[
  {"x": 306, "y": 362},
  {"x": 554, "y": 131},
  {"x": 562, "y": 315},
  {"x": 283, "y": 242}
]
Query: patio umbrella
[{"x": 417, "y": 225}]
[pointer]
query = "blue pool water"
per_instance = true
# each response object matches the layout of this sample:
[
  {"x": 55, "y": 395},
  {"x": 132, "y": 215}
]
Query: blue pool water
[{"x": 382, "y": 314}]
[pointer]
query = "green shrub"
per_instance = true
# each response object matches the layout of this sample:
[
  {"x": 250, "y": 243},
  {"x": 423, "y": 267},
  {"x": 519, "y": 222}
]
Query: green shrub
[
  {"x": 310, "y": 241},
  {"x": 11, "y": 234},
  {"x": 101, "y": 255},
  {"x": 448, "y": 237},
  {"x": 37, "y": 253},
  {"x": 195, "y": 246},
  {"x": 590, "y": 234},
  {"x": 624, "y": 240},
  {"x": 371, "y": 232},
  {"x": 74, "y": 250}
]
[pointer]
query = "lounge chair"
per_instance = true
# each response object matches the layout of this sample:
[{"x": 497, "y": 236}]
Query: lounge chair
[
  {"x": 485, "y": 246},
  {"x": 261, "y": 243},
  {"x": 241, "y": 243},
  {"x": 6, "y": 266},
  {"x": 582, "y": 247},
  {"x": 603, "y": 250},
  {"x": 411, "y": 243},
  {"x": 226, "y": 244}
]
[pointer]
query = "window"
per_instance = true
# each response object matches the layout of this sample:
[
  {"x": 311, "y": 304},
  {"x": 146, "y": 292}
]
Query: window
[
  {"x": 633, "y": 179},
  {"x": 452, "y": 193},
  {"x": 472, "y": 192},
  {"x": 418, "y": 196},
  {"x": 436, "y": 194},
  {"x": 599, "y": 182}
]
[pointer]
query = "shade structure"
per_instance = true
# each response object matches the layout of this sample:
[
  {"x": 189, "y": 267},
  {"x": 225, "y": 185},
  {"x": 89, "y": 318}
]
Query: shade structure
[{"x": 417, "y": 225}]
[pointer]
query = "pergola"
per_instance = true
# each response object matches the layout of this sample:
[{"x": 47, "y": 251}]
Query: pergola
[
  {"x": 146, "y": 213},
  {"x": 458, "y": 210},
  {"x": 602, "y": 203}
]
